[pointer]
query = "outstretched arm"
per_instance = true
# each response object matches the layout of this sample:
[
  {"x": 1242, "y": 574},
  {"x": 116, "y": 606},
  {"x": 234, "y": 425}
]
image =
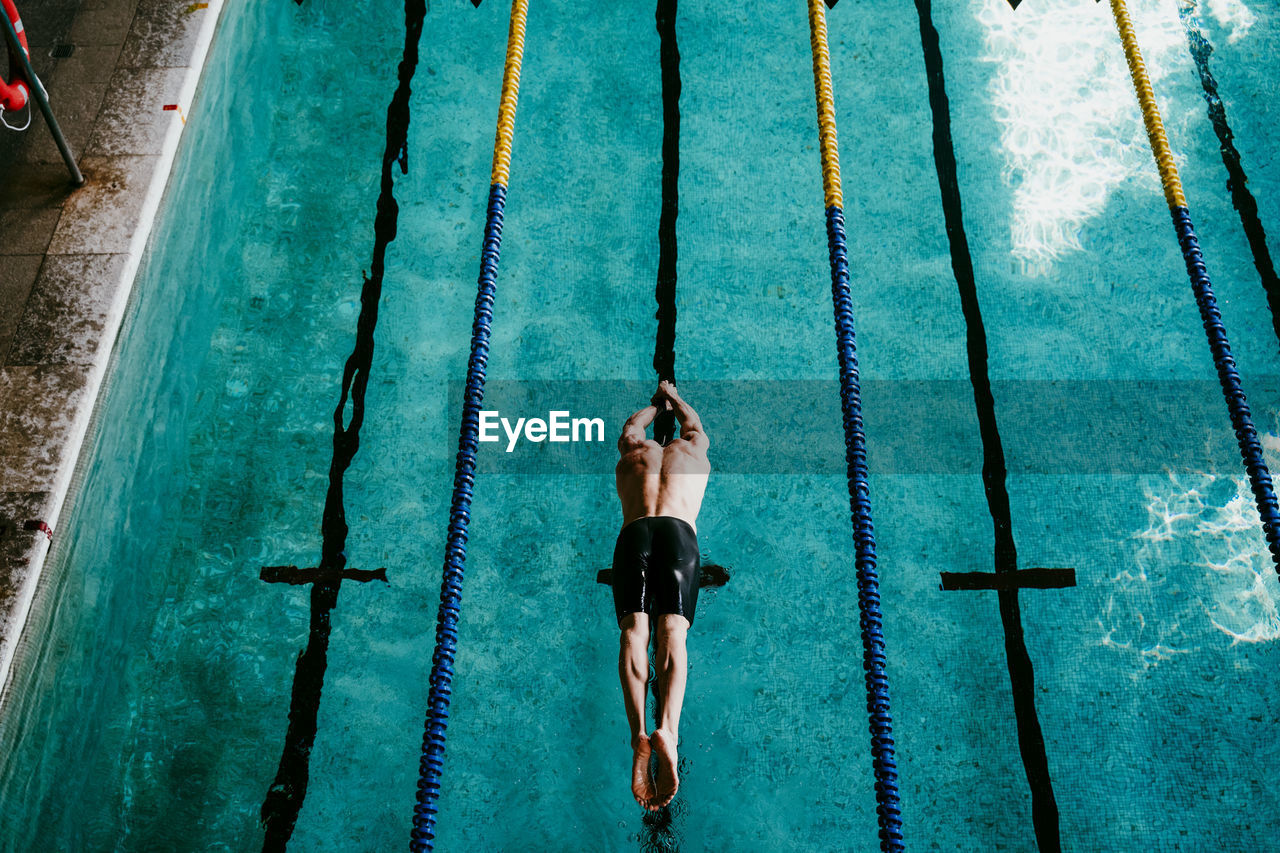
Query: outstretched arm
[
  {"x": 633, "y": 429},
  {"x": 690, "y": 424}
]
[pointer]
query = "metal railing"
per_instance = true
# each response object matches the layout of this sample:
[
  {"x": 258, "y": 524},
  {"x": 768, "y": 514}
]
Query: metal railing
[{"x": 41, "y": 98}]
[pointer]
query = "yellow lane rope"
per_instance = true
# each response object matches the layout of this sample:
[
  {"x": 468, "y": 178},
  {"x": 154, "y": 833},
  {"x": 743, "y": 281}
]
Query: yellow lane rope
[
  {"x": 510, "y": 93},
  {"x": 826, "y": 104},
  {"x": 1150, "y": 114},
  {"x": 1211, "y": 317}
]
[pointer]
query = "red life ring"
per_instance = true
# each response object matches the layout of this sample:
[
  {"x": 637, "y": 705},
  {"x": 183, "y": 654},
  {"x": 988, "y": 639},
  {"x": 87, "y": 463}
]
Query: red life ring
[{"x": 14, "y": 96}]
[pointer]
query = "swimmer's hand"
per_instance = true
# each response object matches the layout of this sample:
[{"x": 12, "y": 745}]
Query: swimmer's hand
[{"x": 661, "y": 399}]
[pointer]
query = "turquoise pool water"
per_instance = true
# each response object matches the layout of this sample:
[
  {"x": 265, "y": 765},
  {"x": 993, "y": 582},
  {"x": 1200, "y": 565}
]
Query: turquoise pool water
[{"x": 149, "y": 709}]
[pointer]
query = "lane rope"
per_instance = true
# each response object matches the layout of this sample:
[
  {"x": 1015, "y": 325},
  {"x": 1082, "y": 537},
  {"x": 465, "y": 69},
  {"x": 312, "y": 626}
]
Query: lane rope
[
  {"x": 431, "y": 766},
  {"x": 874, "y": 660},
  {"x": 1211, "y": 318}
]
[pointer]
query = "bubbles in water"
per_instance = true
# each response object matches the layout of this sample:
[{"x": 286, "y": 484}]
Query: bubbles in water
[{"x": 659, "y": 833}]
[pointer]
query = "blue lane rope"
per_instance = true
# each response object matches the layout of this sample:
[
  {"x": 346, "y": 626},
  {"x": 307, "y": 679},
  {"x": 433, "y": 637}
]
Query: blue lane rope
[
  {"x": 874, "y": 661},
  {"x": 1229, "y": 378},
  {"x": 432, "y": 764}
]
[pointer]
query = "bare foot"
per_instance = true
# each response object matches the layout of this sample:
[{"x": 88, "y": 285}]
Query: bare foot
[
  {"x": 641, "y": 781},
  {"x": 668, "y": 781}
]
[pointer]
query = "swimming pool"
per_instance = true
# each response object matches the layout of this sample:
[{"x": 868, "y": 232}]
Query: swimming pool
[{"x": 149, "y": 708}]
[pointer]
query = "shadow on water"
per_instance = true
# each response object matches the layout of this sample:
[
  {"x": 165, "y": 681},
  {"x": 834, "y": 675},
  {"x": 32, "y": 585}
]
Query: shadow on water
[
  {"x": 710, "y": 575},
  {"x": 713, "y": 575}
]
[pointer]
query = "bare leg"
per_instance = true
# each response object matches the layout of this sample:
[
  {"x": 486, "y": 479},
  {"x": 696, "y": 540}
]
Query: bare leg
[
  {"x": 633, "y": 672},
  {"x": 672, "y": 664}
]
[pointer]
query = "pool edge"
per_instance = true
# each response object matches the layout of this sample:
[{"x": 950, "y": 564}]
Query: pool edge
[{"x": 88, "y": 227}]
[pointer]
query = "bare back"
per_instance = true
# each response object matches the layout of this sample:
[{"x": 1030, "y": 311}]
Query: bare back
[{"x": 657, "y": 480}]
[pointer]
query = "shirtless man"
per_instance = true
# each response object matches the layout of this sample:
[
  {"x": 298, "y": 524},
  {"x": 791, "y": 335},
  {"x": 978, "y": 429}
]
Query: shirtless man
[{"x": 655, "y": 580}]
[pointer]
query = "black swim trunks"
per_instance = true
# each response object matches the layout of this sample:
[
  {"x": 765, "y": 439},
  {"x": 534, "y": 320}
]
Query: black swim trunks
[{"x": 655, "y": 568}]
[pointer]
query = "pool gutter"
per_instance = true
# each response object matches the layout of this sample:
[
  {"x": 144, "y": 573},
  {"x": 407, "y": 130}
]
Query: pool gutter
[{"x": 80, "y": 249}]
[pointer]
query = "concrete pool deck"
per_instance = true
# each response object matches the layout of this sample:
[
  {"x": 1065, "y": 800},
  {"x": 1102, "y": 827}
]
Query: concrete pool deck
[{"x": 68, "y": 255}]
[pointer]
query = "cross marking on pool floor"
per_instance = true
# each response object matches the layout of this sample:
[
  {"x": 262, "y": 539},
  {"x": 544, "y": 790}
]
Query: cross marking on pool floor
[
  {"x": 284, "y": 799},
  {"x": 1007, "y": 580},
  {"x": 298, "y": 577}
]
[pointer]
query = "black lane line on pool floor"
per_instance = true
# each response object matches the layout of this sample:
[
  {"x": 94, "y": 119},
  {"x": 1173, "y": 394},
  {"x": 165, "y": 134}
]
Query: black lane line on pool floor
[
  {"x": 664, "y": 350},
  {"x": 1237, "y": 181},
  {"x": 1044, "y": 808},
  {"x": 284, "y": 799},
  {"x": 659, "y": 831}
]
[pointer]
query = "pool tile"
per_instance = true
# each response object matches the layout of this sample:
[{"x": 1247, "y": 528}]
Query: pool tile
[
  {"x": 89, "y": 64},
  {"x": 16, "y": 549},
  {"x": 133, "y": 120},
  {"x": 35, "y": 185},
  {"x": 46, "y": 25},
  {"x": 123, "y": 8},
  {"x": 101, "y": 216},
  {"x": 75, "y": 106},
  {"x": 98, "y": 26},
  {"x": 164, "y": 34},
  {"x": 27, "y": 233},
  {"x": 19, "y": 551},
  {"x": 67, "y": 310},
  {"x": 17, "y": 276},
  {"x": 16, "y": 508},
  {"x": 37, "y": 411}
]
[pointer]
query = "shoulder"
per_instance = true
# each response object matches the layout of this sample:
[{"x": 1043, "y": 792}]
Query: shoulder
[
  {"x": 629, "y": 444},
  {"x": 697, "y": 438},
  {"x": 692, "y": 444}
]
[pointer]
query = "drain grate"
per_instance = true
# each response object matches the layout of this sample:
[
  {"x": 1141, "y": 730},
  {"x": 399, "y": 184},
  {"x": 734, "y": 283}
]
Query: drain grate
[{"x": 62, "y": 51}]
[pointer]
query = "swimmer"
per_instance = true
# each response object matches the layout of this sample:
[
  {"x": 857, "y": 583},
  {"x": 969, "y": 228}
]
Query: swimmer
[{"x": 655, "y": 581}]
